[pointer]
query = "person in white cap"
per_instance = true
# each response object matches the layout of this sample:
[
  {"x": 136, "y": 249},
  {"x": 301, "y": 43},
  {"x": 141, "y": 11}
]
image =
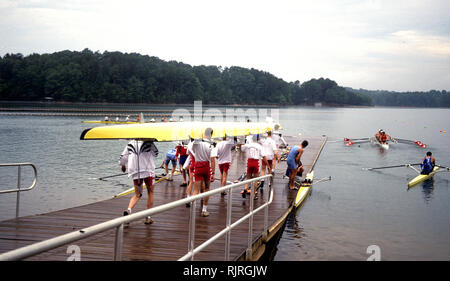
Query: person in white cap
[
  {"x": 203, "y": 170},
  {"x": 224, "y": 159},
  {"x": 254, "y": 154},
  {"x": 270, "y": 151}
]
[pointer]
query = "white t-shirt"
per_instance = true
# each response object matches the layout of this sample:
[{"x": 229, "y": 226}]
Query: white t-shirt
[
  {"x": 201, "y": 151},
  {"x": 276, "y": 136},
  {"x": 253, "y": 150},
  {"x": 224, "y": 151},
  {"x": 269, "y": 148}
]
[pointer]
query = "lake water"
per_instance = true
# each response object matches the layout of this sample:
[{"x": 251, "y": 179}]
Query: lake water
[{"x": 339, "y": 221}]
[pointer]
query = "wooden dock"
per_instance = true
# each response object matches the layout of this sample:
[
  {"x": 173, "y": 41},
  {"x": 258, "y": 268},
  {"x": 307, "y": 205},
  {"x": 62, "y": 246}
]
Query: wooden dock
[{"x": 167, "y": 238}]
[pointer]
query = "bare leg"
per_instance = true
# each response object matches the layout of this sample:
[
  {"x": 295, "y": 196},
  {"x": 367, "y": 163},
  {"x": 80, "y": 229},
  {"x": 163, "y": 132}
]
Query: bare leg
[
  {"x": 191, "y": 183},
  {"x": 184, "y": 175},
  {"x": 249, "y": 176},
  {"x": 149, "y": 193},
  {"x": 197, "y": 187},
  {"x": 206, "y": 189},
  {"x": 223, "y": 178},
  {"x": 137, "y": 195},
  {"x": 292, "y": 175}
]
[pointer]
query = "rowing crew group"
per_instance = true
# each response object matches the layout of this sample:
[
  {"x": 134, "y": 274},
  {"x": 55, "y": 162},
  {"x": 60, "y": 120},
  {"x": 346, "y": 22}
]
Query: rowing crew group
[
  {"x": 138, "y": 156},
  {"x": 428, "y": 162}
]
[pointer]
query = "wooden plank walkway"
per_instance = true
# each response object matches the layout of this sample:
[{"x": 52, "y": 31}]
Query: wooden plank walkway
[{"x": 167, "y": 238}]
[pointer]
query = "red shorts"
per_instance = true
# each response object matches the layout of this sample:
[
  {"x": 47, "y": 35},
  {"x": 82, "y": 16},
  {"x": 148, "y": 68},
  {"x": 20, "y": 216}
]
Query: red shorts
[
  {"x": 148, "y": 181},
  {"x": 202, "y": 171},
  {"x": 192, "y": 165},
  {"x": 223, "y": 168},
  {"x": 252, "y": 166},
  {"x": 268, "y": 161}
]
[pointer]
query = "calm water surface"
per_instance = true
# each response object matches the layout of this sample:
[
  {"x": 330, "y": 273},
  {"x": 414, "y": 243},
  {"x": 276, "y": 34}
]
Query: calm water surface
[{"x": 339, "y": 220}]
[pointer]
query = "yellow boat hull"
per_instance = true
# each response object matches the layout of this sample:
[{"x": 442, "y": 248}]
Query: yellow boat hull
[
  {"x": 175, "y": 131},
  {"x": 304, "y": 190},
  {"x": 421, "y": 178}
]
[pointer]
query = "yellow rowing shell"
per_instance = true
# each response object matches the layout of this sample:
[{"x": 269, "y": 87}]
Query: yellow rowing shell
[
  {"x": 421, "y": 178},
  {"x": 175, "y": 131},
  {"x": 304, "y": 190}
]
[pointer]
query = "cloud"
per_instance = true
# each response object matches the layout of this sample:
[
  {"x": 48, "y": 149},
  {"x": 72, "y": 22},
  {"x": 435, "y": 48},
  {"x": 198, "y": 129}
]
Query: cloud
[{"x": 357, "y": 43}]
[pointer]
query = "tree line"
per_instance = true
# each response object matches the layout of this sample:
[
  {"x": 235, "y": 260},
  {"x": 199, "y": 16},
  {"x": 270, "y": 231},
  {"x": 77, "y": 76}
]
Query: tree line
[
  {"x": 431, "y": 98},
  {"x": 115, "y": 77}
]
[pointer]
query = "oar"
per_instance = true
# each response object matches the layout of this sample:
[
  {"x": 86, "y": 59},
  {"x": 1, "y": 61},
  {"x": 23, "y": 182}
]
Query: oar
[
  {"x": 322, "y": 179},
  {"x": 348, "y": 139},
  {"x": 387, "y": 167},
  {"x": 416, "y": 142},
  {"x": 102, "y": 178},
  {"x": 350, "y": 142},
  {"x": 122, "y": 174},
  {"x": 443, "y": 167}
]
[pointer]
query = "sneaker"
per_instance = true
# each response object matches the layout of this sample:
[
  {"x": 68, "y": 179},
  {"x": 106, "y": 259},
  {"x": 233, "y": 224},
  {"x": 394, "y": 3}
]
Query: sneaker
[
  {"x": 205, "y": 213},
  {"x": 223, "y": 193},
  {"x": 183, "y": 184},
  {"x": 126, "y": 213},
  {"x": 260, "y": 185},
  {"x": 148, "y": 220}
]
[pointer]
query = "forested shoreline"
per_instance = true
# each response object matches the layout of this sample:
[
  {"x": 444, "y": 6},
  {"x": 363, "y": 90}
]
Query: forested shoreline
[
  {"x": 431, "y": 98},
  {"x": 115, "y": 77}
]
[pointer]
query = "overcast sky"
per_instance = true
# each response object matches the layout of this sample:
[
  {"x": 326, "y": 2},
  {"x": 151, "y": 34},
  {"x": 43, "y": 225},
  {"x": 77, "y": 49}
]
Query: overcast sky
[{"x": 373, "y": 44}]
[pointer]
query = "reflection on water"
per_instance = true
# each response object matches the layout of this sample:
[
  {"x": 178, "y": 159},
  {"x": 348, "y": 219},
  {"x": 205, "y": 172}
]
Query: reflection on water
[{"x": 427, "y": 189}]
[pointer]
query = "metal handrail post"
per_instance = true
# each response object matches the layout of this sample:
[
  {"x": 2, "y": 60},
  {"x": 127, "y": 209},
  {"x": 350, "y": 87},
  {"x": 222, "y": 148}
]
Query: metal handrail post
[
  {"x": 266, "y": 214},
  {"x": 250, "y": 221},
  {"x": 118, "y": 243},
  {"x": 225, "y": 230},
  {"x": 191, "y": 238},
  {"x": 18, "y": 190},
  {"x": 228, "y": 235}
]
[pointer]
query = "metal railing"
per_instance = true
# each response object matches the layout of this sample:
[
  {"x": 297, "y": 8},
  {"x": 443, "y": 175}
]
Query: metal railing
[
  {"x": 118, "y": 224},
  {"x": 18, "y": 190}
]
